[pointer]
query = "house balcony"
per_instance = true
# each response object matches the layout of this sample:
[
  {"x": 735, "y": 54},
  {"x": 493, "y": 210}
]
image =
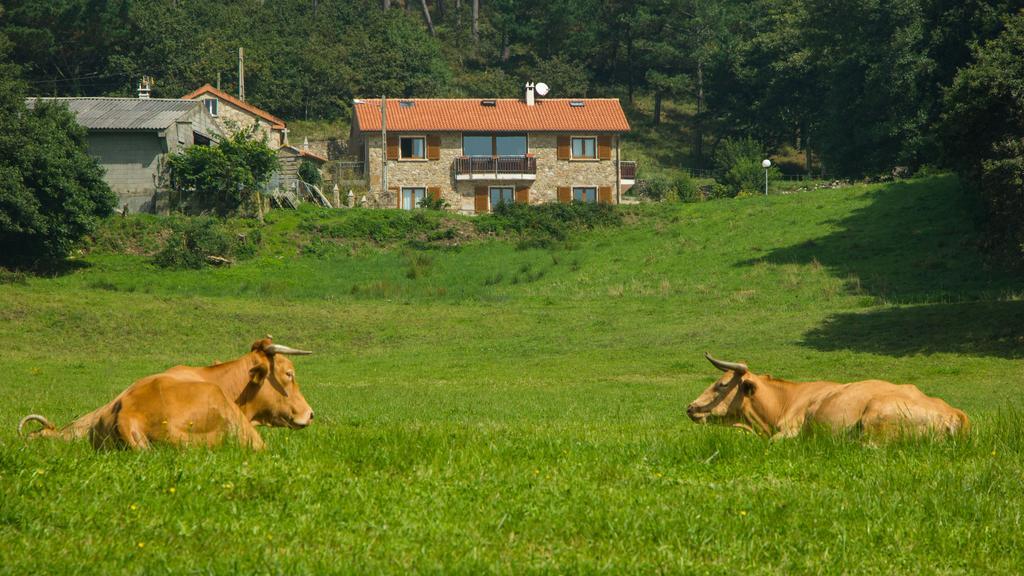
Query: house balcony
[
  {"x": 627, "y": 173},
  {"x": 496, "y": 168}
]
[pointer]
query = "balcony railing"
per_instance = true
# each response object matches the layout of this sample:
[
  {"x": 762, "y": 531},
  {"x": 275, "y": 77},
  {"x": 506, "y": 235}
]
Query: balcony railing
[
  {"x": 495, "y": 168},
  {"x": 627, "y": 170}
]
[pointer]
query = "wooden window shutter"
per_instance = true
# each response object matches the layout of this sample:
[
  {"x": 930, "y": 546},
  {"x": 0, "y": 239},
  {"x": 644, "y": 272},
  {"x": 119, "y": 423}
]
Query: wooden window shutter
[
  {"x": 564, "y": 152},
  {"x": 564, "y": 194},
  {"x": 433, "y": 147},
  {"x": 604, "y": 194},
  {"x": 523, "y": 195},
  {"x": 604, "y": 147},
  {"x": 398, "y": 195},
  {"x": 480, "y": 200},
  {"x": 392, "y": 147},
  {"x": 434, "y": 192}
]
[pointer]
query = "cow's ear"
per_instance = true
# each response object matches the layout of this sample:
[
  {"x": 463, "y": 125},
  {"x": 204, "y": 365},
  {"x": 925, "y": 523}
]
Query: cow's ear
[
  {"x": 748, "y": 387},
  {"x": 258, "y": 373}
]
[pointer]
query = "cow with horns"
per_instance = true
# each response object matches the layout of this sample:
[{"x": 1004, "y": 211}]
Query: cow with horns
[
  {"x": 782, "y": 409},
  {"x": 188, "y": 405}
]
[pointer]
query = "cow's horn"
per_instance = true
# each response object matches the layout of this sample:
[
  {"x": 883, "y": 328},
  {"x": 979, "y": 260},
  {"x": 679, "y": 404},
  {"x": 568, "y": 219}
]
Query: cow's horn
[
  {"x": 279, "y": 349},
  {"x": 34, "y": 418},
  {"x": 726, "y": 366}
]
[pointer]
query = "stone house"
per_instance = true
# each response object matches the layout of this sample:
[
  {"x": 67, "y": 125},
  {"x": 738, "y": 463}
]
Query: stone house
[
  {"x": 132, "y": 137},
  {"x": 233, "y": 114},
  {"x": 476, "y": 153}
]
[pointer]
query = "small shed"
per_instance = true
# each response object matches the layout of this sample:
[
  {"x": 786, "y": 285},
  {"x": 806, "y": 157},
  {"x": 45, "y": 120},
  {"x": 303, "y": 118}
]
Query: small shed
[
  {"x": 131, "y": 138},
  {"x": 291, "y": 158}
]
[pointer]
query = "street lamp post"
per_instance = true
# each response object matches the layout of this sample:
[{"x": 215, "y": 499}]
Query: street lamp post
[{"x": 766, "y": 163}]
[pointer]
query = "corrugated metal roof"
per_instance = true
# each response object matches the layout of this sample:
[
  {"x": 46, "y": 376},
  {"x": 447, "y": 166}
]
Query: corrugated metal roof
[
  {"x": 126, "y": 113},
  {"x": 499, "y": 115}
]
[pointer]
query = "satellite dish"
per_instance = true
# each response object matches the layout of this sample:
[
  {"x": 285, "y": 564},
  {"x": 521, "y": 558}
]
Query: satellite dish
[{"x": 542, "y": 89}]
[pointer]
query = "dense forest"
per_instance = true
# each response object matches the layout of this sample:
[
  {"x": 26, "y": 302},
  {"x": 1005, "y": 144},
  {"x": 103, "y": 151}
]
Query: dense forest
[{"x": 867, "y": 85}]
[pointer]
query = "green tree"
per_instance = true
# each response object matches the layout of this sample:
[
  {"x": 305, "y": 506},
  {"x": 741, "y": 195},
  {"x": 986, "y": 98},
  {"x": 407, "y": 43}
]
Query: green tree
[
  {"x": 51, "y": 192},
  {"x": 225, "y": 177},
  {"x": 983, "y": 131}
]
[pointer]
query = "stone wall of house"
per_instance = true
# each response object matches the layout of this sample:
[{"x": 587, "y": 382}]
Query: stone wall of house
[
  {"x": 460, "y": 195},
  {"x": 231, "y": 119}
]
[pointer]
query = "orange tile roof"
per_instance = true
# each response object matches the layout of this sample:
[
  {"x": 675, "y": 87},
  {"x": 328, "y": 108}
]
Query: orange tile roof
[
  {"x": 303, "y": 153},
  {"x": 507, "y": 115},
  {"x": 208, "y": 89}
]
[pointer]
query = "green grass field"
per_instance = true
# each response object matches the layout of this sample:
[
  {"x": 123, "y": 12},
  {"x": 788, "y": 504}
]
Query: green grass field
[{"x": 487, "y": 408}]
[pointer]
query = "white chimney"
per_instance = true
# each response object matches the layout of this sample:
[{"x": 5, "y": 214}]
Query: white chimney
[
  {"x": 144, "y": 87},
  {"x": 530, "y": 99}
]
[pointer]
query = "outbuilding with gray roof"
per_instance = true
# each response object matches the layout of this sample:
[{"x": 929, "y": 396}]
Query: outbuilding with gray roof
[{"x": 131, "y": 138}]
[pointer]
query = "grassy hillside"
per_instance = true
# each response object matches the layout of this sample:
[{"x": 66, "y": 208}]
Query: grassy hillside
[{"x": 486, "y": 406}]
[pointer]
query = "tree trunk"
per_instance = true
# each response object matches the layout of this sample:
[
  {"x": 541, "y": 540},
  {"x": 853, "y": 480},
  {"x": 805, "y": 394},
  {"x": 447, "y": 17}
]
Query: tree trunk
[
  {"x": 458, "y": 13},
  {"x": 386, "y": 4},
  {"x": 506, "y": 49},
  {"x": 657, "y": 108},
  {"x": 630, "y": 81},
  {"x": 476, "y": 20},
  {"x": 807, "y": 153},
  {"x": 698, "y": 144},
  {"x": 426, "y": 16},
  {"x": 440, "y": 10}
]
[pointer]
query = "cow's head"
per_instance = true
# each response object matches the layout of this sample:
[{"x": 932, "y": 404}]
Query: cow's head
[
  {"x": 272, "y": 396},
  {"x": 722, "y": 403}
]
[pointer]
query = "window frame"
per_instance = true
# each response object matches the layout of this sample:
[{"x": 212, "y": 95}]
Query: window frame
[
  {"x": 490, "y": 191},
  {"x": 415, "y": 201},
  {"x": 572, "y": 148},
  {"x": 584, "y": 187},
  {"x": 403, "y": 157},
  {"x": 494, "y": 143},
  {"x": 216, "y": 106}
]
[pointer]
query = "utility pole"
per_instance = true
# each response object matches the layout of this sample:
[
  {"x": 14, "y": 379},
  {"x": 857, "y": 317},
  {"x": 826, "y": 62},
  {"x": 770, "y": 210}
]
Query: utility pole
[
  {"x": 383, "y": 146},
  {"x": 241, "y": 74}
]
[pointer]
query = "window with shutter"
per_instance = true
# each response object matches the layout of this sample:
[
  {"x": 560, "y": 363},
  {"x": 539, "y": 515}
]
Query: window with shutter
[
  {"x": 433, "y": 147},
  {"x": 604, "y": 194},
  {"x": 604, "y": 148},
  {"x": 563, "y": 148},
  {"x": 523, "y": 195},
  {"x": 564, "y": 194}
]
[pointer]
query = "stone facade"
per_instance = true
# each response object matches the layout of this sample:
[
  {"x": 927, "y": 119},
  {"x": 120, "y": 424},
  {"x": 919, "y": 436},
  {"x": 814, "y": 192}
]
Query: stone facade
[
  {"x": 231, "y": 119},
  {"x": 551, "y": 172}
]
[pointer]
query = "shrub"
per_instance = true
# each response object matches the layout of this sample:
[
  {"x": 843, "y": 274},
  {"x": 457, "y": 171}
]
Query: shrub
[
  {"x": 686, "y": 189},
  {"x": 654, "y": 188},
  {"x": 540, "y": 225},
  {"x": 309, "y": 173},
  {"x": 224, "y": 177},
  {"x": 739, "y": 164},
  {"x": 193, "y": 242},
  {"x": 380, "y": 226},
  {"x": 430, "y": 203}
]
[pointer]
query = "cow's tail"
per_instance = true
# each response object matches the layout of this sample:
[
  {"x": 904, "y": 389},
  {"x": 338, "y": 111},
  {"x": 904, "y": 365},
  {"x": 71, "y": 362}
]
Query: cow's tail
[{"x": 48, "y": 429}]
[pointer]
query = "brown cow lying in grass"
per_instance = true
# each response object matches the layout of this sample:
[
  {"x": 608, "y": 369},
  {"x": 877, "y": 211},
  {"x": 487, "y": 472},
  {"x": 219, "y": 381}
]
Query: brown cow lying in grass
[
  {"x": 188, "y": 405},
  {"x": 782, "y": 409}
]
